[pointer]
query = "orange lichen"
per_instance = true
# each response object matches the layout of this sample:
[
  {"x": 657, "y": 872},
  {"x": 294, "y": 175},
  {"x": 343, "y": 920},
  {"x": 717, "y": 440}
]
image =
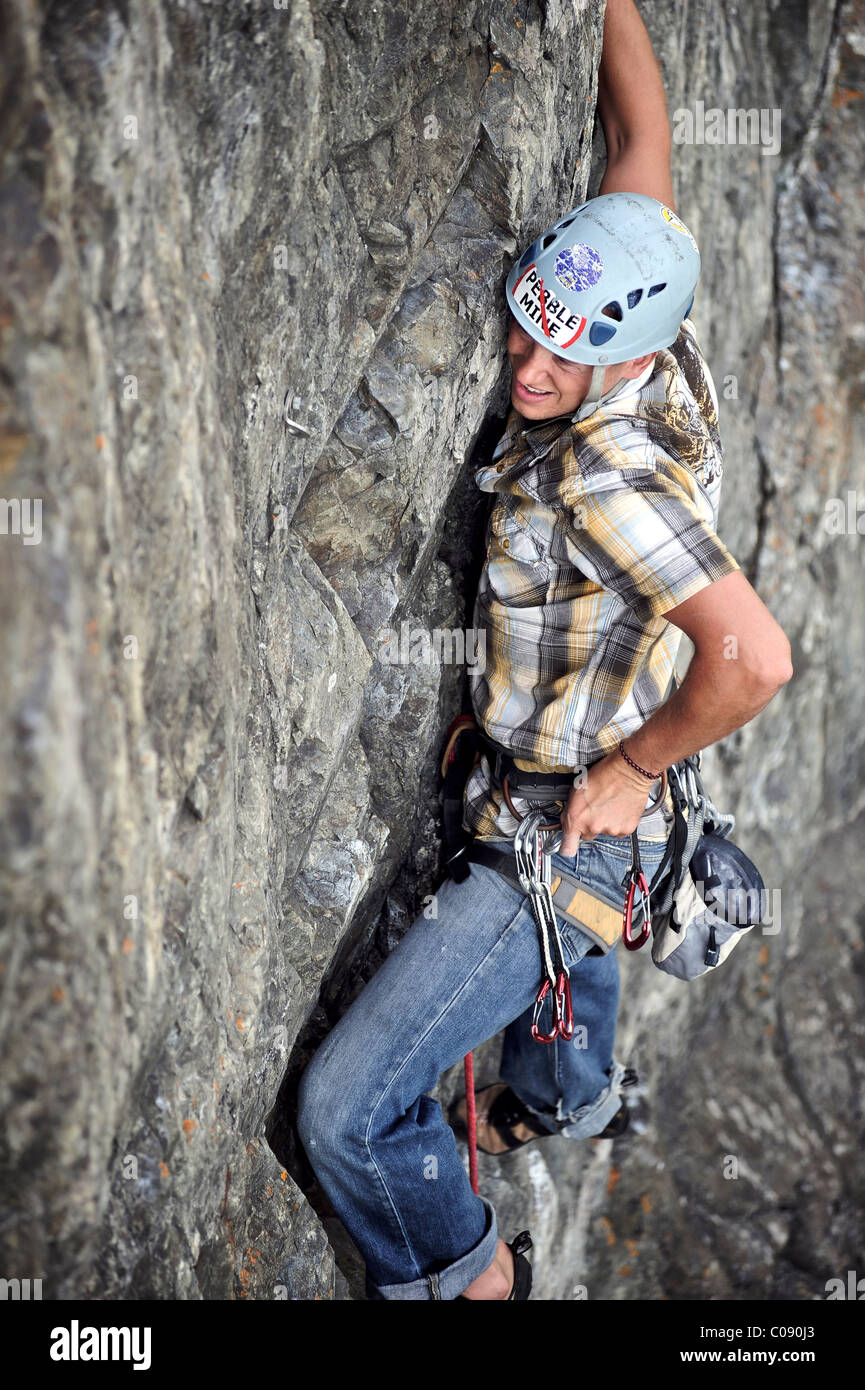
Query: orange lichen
[
  {"x": 842, "y": 95},
  {"x": 613, "y": 1178}
]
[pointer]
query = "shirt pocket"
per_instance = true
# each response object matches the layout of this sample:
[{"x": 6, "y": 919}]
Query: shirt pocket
[{"x": 517, "y": 563}]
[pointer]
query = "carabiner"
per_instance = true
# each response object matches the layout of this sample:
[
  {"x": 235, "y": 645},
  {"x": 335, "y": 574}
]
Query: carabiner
[
  {"x": 633, "y": 943},
  {"x": 539, "y": 1003},
  {"x": 563, "y": 1014},
  {"x": 564, "y": 1008}
]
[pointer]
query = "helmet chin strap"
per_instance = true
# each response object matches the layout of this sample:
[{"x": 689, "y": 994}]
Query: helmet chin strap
[
  {"x": 595, "y": 392},
  {"x": 596, "y": 386}
]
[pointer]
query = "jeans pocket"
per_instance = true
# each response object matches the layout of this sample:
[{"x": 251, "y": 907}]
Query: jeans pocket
[{"x": 610, "y": 861}]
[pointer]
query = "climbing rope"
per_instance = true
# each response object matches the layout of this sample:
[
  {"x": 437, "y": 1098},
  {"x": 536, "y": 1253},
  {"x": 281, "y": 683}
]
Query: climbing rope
[{"x": 471, "y": 1120}]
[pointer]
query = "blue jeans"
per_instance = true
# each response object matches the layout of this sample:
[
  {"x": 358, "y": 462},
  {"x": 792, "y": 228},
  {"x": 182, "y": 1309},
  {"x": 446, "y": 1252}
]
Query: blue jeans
[{"x": 380, "y": 1146}]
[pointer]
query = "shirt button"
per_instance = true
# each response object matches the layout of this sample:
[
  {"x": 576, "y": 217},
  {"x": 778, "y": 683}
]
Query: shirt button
[
  {"x": 506, "y": 543},
  {"x": 499, "y": 467}
]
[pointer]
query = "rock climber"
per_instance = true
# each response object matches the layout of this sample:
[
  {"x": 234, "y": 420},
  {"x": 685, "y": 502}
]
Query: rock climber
[{"x": 602, "y": 552}]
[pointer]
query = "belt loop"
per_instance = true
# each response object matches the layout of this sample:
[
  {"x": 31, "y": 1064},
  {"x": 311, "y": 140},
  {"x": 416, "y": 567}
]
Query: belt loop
[{"x": 435, "y": 1291}]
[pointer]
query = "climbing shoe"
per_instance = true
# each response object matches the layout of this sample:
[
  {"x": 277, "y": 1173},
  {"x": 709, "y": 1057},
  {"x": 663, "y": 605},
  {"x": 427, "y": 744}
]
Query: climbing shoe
[{"x": 505, "y": 1124}]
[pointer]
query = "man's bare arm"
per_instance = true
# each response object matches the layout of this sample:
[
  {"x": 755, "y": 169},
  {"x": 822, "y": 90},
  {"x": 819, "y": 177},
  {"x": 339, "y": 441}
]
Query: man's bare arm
[
  {"x": 632, "y": 108},
  {"x": 741, "y": 659}
]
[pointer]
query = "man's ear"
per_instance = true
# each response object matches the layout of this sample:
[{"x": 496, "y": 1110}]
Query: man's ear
[{"x": 636, "y": 365}]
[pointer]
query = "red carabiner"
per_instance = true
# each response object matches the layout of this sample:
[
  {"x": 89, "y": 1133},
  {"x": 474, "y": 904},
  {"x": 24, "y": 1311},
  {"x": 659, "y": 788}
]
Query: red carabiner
[
  {"x": 633, "y": 943},
  {"x": 562, "y": 1010},
  {"x": 536, "y": 1033},
  {"x": 563, "y": 1005}
]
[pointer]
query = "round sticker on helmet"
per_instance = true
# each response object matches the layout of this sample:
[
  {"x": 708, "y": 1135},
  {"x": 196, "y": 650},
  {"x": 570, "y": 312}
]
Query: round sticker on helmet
[
  {"x": 578, "y": 267},
  {"x": 678, "y": 225}
]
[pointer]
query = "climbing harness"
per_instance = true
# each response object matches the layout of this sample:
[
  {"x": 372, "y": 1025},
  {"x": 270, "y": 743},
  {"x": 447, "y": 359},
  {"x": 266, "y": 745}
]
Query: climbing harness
[{"x": 592, "y": 910}]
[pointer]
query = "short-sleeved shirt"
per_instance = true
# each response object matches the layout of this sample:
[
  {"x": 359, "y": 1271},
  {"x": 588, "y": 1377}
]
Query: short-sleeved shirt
[{"x": 603, "y": 521}]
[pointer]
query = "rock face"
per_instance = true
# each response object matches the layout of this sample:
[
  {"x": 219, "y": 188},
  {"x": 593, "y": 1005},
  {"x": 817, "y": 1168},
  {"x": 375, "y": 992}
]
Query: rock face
[{"x": 219, "y": 805}]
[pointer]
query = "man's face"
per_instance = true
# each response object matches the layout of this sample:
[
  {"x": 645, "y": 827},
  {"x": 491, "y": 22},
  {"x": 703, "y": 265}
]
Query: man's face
[{"x": 564, "y": 383}]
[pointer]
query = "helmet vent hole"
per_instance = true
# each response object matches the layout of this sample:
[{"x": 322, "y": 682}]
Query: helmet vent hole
[
  {"x": 656, "y": 289},
  {"x": 613, "y": 310},
  {"x": 550, "y": 236},
  {"x": 634, "y": 297},
  {"x": 527, "y": 255},
  {"x": 563, "y": 225}
]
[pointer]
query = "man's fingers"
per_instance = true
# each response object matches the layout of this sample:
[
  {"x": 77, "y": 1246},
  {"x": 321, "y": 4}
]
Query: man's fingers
[{"x": 571, "y": 844}]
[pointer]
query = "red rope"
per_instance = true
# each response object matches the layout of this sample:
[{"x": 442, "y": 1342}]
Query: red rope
[{"x": 471, "y": 1120}]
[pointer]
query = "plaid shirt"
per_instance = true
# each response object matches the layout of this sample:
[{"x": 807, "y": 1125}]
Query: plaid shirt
[{"x": 601, "y": 524}]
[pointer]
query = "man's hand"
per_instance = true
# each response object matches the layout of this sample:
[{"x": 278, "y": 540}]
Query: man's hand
[{"x": 611, "y": 802}]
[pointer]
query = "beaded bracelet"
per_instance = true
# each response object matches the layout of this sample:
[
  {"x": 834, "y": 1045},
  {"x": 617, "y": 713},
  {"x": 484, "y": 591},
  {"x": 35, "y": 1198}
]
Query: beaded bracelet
[{"x": 653, "y": 776}]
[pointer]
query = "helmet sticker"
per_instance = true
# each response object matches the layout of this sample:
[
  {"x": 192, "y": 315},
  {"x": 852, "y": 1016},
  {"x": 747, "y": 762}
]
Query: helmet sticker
[
  {"x": 559, "y": 323},
  {"x": 578, "y": 267},
  {"x": 678, "y": 224}
]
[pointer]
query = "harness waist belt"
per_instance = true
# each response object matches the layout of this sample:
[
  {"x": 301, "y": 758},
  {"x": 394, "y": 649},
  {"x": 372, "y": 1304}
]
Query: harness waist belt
[
  {"x": 557, "y": 786},
  {"x": 595, "y": 913}
]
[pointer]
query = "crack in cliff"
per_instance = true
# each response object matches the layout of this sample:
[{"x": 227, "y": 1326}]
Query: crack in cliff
[
  {"x": 767, "y": 492},
  {"x": 788, "y": 180},
  {"x": 786, "y": 188}
]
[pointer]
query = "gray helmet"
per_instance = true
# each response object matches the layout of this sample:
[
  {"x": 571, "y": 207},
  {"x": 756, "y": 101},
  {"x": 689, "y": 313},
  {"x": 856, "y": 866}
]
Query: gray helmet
[{"x": 609, "y": 281}]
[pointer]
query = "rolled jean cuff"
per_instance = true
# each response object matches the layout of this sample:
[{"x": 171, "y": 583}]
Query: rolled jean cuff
[
  {"x": 589, "y": 1119},
  {"x": 455, "y": 1278}
]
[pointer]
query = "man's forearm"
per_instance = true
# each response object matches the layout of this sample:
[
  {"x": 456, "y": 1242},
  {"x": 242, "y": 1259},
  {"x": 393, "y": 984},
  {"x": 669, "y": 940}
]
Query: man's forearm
[
  {"x": 632, "y": 107},
  {"x": 709, "y": 704}
]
